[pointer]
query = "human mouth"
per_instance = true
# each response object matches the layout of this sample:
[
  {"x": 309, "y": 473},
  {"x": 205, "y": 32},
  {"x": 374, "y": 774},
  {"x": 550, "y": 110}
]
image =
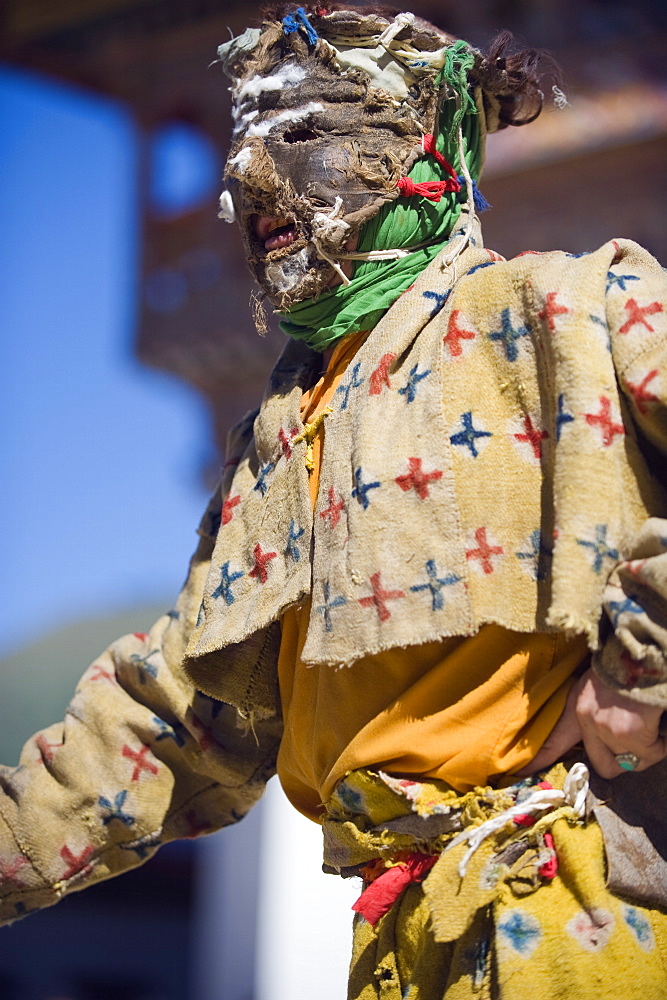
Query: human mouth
[{"x": 274, "y": 232}]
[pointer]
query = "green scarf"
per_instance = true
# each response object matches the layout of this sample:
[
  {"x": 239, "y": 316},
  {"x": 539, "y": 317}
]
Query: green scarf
[{"x": 405, "y": 222}]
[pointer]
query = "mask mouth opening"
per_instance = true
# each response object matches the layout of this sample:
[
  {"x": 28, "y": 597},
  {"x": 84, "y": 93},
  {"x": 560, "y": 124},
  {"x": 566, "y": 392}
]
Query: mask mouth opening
[{"x": 273, "y": 232}]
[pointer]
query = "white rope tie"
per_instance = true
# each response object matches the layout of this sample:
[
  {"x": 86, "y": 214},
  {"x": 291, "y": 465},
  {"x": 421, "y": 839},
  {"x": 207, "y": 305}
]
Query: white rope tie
[
  {"x": 321, "y": 252},
  {"x": 396, "y": 254},
  {"x": 464, "y": 239},
  {"x": 540, "y": 801},
  {"x": 389, "y": 34},
  {"x": 330, "y": 227}
]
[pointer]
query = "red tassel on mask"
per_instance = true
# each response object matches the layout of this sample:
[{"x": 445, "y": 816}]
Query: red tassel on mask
[
  {"x": 428, "y": 145},
  {"x": 433, "y": 190}
]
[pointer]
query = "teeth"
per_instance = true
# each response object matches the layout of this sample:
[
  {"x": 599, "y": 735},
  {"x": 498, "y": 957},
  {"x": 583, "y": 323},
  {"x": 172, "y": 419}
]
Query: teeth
[{"x": 278, "y": 224}]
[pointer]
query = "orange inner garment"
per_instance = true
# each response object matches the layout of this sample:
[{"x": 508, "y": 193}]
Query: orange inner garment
[{"x": 467, "y": 710}]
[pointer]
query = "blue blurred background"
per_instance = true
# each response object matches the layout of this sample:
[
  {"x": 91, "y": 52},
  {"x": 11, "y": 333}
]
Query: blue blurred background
[{"x": 101, "y": 458}]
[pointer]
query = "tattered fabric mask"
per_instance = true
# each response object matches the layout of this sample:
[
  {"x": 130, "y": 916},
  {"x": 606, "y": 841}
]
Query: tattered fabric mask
[{"x": 329, "y": 114}]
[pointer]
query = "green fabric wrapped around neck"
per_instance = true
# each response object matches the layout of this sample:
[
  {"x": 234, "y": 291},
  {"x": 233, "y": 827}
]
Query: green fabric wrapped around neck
[{"x": 405, "y": 222}]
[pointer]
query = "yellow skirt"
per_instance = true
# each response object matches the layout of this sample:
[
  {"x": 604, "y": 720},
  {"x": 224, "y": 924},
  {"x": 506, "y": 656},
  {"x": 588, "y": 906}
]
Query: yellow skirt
[{"x": 521, "y": 923}]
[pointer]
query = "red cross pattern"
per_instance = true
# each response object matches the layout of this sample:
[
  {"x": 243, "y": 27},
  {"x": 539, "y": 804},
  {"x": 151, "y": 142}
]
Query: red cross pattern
[
  {"x": 228, "y": 506},
  {"x": 101, "y": 674},
  {"x": 77, "y": 864},
  {"x": 532, "y": 435},
  {"x": 140, "y": 762},
  {"x": 416, "y": 479},
  {"x": 635, "y": 670},
  {"x": 141, "y": 636},
  {"x": 286, "y": 440},
  {"x": 603, "y": 420},
  {"x": 262, "y": 559},
  {"x": 640, "y": 392},
  {"x": 335, "y": 508},
  {"x": 47, "y": 751},
  {"x": 551, "y": 310},
  {"x": 485, "y": 551},
  {"x": 379, "y": 597},
  {"x": 380, "y": 377},
  {"x": 9, "y": 869},
  {"x": 637, "y": 314},
  {"x": 455, "y": 334}
]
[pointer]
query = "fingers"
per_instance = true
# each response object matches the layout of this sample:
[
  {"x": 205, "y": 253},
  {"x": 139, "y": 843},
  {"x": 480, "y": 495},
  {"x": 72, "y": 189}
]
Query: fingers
[
  {"x": 565, "y": 734},
  {"x": 613, "y": 724}
]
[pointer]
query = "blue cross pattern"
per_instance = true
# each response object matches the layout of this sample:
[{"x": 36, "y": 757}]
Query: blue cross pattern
[
  {"x": 144, "y": 665},
  {"x": 329, "y": 604},
  {"x": 538, "y": 554},
  {"x": 478, "y": 267},
  {"x": 409, "y": 390},
  {"x": 261, "y": 485},
  {"x": 167, "y": 732},
  {"x": 598, "y": 320},
  {"x": 467, "y": 438},
  {"x": 354, "y": 383},
  {"x": 521, "y": 929},
  {"x": 620, "y": 280},
  {"x": 562, "y": 417},
  {"x": 292, "y": 550},
  {"x": 439, "y": 298},
  {"x": 115, "y": 809},
  {"x": 435, "y": 584},
  {"x": 224, "y": 588},
  {"x": 617, "y": 608},
  {"x": 508, "y": 335},
  {"x": 361, "y": 489},
  {"x": 639, "y": 924},
  {"x": 599, "y": 547}
]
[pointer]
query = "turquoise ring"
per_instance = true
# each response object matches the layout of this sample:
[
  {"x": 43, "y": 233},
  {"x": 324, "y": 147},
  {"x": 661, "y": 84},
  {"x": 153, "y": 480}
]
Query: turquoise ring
[{"x": 628, "y": 761}]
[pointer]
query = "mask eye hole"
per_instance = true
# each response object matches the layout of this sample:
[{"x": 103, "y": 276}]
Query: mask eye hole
[{"x": 300, "y": 135}]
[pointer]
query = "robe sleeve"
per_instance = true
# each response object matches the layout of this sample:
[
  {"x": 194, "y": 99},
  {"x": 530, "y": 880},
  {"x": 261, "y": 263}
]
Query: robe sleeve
[
  {"x": 140, "y": 759},
  {"x": 634, "y": 655}
]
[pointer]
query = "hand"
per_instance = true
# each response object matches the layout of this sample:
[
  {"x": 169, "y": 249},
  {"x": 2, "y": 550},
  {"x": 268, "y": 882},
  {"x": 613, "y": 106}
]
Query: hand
[
  {"x": 565, "y": 734},
  {"x": 612, "y": 723},
  {"x": 608, "y": 722}
]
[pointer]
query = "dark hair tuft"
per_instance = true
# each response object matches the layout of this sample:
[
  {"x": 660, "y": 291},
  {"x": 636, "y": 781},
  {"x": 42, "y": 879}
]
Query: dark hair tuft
[{"x": 515, "y": 78}]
